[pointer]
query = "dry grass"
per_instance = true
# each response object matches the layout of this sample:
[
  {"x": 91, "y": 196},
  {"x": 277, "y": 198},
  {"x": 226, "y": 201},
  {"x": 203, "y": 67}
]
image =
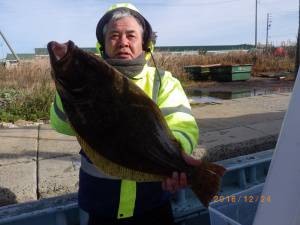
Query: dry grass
[
  {"x": 26, "y": 76},
  {"x": 26, "y": 91},
  {"x": 262, "y": 62}
]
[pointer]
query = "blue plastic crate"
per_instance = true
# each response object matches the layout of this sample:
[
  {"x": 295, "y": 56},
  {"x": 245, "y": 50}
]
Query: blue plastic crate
[{"x": 237, "y": 209}]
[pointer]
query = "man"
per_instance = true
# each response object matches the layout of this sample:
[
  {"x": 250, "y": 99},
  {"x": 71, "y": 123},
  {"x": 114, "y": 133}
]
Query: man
[{"x": 125, "y": 40}]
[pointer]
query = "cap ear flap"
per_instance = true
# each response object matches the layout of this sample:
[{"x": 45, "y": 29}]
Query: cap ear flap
[
  {"x": 99, "y": 49},
  {"x": 99, "y": 30},
  {"x": 149, "y": 47},
  {"x": 149, "y": 38}
]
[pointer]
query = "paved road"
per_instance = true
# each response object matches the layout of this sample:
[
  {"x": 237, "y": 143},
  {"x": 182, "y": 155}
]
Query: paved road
[{"x": 37, "y": 162}]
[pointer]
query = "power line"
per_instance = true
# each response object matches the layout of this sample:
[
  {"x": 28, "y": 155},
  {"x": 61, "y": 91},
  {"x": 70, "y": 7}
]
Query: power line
[
  {"x": 285, "y": 13},
  {"x": 284, "y": 35}
]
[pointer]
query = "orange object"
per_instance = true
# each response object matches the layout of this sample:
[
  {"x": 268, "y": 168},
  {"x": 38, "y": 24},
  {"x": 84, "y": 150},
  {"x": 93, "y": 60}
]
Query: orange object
[{"x": 280, "y": 51}]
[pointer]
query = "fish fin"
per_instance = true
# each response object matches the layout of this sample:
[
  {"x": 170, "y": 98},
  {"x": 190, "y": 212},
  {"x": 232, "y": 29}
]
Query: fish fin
[
  {"x": 114, "y": 169},
  {"x": 205, "y": 181}
]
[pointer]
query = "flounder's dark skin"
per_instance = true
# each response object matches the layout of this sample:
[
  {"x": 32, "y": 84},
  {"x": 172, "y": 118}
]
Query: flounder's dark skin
[{"x": 119, "y": 127}]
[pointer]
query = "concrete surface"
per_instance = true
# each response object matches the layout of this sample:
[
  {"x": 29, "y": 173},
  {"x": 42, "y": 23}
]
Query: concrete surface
[
  {"x": 38, "y": 162},
  {"x": 240, "y": 126}
]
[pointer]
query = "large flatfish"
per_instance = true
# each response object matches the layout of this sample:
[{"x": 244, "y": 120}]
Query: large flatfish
[{"x": 121, "y": 130}]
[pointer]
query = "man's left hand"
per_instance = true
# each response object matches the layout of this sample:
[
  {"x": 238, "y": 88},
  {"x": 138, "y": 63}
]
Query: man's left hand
[
  {"x": 179, "y": 180},
  {"x": 174, "y": 183}
]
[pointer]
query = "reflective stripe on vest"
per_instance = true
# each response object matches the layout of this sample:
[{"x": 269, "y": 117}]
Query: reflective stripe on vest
[
  {"x": 181, "y": 108},
  {"x": 186, "y": 136},
  {"x": 127, "y": 189},
  {"x": 60, "y": 114},
  {"x": 156, "y": 84},
  {"x": 127, "y": 199}
]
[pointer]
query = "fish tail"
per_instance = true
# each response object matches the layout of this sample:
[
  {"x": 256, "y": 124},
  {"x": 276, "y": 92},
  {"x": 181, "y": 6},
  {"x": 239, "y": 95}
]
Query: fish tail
[{"x": 205, "y": 181}]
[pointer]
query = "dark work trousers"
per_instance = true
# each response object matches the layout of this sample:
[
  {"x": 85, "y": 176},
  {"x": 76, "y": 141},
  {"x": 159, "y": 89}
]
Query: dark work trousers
[{"x": 161, "y": 215}]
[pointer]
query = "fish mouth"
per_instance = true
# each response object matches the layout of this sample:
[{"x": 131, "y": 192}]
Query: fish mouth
[{"x": 58, "y": 52}]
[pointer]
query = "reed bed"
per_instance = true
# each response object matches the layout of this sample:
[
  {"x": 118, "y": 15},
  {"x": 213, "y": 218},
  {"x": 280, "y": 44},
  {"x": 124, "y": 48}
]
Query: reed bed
[
  {"x": 27, "y": 90},
  {"x": 262, "y": 62}
]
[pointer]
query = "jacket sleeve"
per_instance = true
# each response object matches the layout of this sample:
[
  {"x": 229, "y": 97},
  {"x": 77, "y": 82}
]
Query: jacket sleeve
[
  {"x": 58, "y": 118},
  {"x": 176, "y": 109}
]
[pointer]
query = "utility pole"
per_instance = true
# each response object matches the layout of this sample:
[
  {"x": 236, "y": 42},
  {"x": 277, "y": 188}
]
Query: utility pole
[
  {"x": 268, "y": 28},
  {"x": 10, "y": 48},
  {"x": 298, "y": 45},
  {"x": 256, "y": 23}
]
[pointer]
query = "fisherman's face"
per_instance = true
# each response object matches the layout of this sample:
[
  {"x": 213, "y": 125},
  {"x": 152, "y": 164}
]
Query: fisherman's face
[{"x": 123, "y": 39}]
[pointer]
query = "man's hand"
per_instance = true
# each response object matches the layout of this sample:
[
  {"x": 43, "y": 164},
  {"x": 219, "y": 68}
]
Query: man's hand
[{"x": 179, "y": 181}]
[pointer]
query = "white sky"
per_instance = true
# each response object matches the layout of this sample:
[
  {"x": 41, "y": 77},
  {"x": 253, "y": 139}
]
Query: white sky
[{"x": 33, "y": 23}]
